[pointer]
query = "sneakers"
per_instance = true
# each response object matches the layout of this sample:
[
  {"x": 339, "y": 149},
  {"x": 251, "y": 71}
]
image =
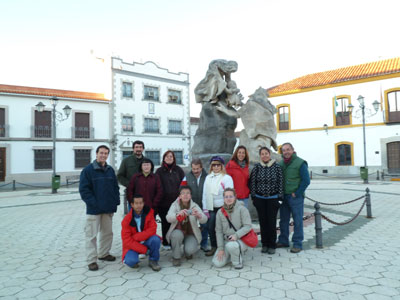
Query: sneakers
[
  {"x": 205, "y": 248},
  {"x": 93, "y": 267},
  {"x": 264, "y": 249},
  {"x": 279, "y": 245},
  {"x": 211, "y": 252},
  {"x": 238, "y": 266},
  {"x": 142, "y": 256},
  {"x": 295, "y": 250},
  {"x": 271, "y": 251},
  {"x": 108, "y": 257},
  {"x": 176, "y": 262},
  {"x": 154, "y": 265},
  {"x": 167, "y": 247}
]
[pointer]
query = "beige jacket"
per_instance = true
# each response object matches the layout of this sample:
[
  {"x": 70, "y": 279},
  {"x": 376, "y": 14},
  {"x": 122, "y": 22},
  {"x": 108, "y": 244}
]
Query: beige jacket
[
  {"x": 171, "y": 218},
  {"x": 240, "y": 218}
]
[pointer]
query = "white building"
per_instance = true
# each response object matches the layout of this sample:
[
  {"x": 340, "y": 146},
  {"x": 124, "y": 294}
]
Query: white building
[
  {"x": 26, "y": 134},
  {"x": 313, "y": 116},
  {"x": 150, "y": 104}
]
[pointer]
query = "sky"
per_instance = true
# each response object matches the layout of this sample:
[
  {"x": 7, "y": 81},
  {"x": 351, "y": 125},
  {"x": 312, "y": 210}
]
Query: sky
[{"x": 66, "y": 44}]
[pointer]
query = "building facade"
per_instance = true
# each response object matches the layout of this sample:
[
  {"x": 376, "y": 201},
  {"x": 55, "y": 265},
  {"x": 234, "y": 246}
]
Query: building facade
[
  {"x": 313, "y": 115},
  {"x": 26, "y": 134},
  {"x": 150, "y": 104}
]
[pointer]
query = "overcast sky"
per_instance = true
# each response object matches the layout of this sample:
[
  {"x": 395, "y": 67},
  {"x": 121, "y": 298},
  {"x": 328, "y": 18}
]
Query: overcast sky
[{"x": 48, "y": 43}]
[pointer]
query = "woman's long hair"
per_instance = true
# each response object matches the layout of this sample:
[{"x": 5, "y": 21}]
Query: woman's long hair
[
  {"x": 223, "y": 171},
  {"x": 246, "y": 158}
]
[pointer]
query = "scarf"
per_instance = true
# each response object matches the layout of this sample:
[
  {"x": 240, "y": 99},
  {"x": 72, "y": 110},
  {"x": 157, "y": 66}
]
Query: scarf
[
  {"x": 168, "y": 167},
  {"x": 229, "y": 208},
  {"x": 242, "y": 163},
  {"x": 287, "y": 160}
]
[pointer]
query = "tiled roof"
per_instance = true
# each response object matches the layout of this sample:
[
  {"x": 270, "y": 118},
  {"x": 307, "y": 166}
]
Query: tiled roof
[
  {"x": 15, "y": 89},
  {"x": 340, "y": 76}
]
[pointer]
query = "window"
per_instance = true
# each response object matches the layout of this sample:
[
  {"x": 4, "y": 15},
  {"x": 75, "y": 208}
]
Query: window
[
  {"x": 127, "y": 90},
  {"x": 342, "y": 115},
  {"x": 393, "y": 157},
  {"x": 283, "y": 117},
  {"x": 150, "y": 93},
  {"x": 393, "y": 101},
  {"x": 2, "y": 122},
  {"x": 82, "y": 126},
  {"x": 42, "y": 127},
  {"x": 43, "y": 159},
  {"x": 151, "y": 125},
  {"x": 174, "y": 97},
  {"x": 175, "y": 127},
  {"x": 125, "y": 154},
  {"x": 82, "y": 158},
  {"x": 344, "y": 154},
  {"x": 127, "y": 124},
  {"x": 154, "y": 156},
  {"x": 179, "y": 157}
]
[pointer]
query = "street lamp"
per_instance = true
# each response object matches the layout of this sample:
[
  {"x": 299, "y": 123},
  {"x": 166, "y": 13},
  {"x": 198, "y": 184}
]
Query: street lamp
[
  {"x": 56, "y": 117},
  {"x": 350, "y": 107}
]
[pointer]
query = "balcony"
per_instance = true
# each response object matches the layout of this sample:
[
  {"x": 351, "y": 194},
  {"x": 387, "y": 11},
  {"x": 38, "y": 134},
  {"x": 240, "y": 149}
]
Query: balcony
[
  {"x": 4, "y": 131},
  {"x": 82, "y": 132},
  {"x": 41, "y": 131}
]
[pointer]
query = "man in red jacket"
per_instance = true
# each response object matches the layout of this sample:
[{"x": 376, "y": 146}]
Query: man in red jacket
[{"x": 139, "y": 235}]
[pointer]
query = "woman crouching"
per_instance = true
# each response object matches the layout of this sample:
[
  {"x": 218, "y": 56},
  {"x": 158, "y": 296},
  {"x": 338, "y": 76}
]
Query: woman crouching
[
  {"x": 229, "y": 232},
  {"x": 183, "y": 216}
]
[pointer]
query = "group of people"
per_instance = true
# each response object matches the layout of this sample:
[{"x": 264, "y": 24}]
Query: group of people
[{"x": 193, "y": 208}]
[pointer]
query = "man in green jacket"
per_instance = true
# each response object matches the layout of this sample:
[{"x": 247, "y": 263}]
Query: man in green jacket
[
  {"x": 129, "y": 166},
  {"x": 296, "y": 180}
]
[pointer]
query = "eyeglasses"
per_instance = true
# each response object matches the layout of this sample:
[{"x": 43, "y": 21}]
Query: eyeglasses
[{"x": 229, "y": 196}]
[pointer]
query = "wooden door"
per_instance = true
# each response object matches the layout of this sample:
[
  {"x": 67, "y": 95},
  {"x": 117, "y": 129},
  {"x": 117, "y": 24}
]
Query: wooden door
[
  {"x": 2, "y": 164},
  {"x": 393, "y": 156}
]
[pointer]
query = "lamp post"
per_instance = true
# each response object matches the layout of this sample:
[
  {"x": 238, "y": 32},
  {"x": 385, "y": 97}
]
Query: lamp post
[
  {"x": 55, "y": 116},
  {"x": 350, "y": 107}
]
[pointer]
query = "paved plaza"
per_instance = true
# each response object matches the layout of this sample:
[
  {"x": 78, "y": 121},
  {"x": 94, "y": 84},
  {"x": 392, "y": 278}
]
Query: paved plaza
[{"x": 42, "y": 254}]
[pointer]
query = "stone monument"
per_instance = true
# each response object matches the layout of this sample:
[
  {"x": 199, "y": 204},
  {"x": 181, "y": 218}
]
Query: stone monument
[{"x": 218, "y": 94}]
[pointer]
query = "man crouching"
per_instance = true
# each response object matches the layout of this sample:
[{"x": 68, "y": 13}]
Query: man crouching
[{"x": 139, "y": 235}]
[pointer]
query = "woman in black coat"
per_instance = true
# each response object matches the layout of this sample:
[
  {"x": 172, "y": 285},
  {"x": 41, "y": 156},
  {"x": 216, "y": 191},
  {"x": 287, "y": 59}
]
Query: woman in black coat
[{"x": 171, "y": 177}]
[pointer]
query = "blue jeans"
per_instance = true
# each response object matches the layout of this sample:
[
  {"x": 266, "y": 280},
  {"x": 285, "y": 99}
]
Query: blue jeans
[
  {"x": 153, "y": 244},
  {"x": 292, "y": 206},
  {"x": 204, "y": 235},
  {"x": 245, "y": 202}
]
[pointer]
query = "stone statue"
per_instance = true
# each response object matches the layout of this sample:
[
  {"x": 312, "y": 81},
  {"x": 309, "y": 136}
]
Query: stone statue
[
  {"x": 259, "y": 125},
  {"x": 218, "y": 94}
]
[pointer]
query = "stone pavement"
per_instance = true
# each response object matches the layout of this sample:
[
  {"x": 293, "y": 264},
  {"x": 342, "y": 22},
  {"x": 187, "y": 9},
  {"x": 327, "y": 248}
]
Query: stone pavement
[{"x": 42, "y": 254}]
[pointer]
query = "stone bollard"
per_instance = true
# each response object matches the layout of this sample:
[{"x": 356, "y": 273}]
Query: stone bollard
[
  {"x": 368, "y": 200},
  {"x": 318, "y": 226},
  {"x": 14, "y": 188},
  {"x": 377, "y": 175}
]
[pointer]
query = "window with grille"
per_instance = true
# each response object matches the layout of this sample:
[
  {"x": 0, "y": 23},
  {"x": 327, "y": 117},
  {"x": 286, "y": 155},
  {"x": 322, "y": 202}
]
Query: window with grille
[
  {"x": 82, "y": 125},
  {"x": 175, "y": 127},
  {"x": 127, "y": 90},
  {"x": 42, "y": 127},
  {"x": 43, "y": 159},
  {"x": 342, "y": 114},
  {"x": 344, "y": 155},
  {"x": 284, "y": 118},
  {"x": 151, "y": 93},
  {"x": 154, "y": 156},
  {"x": 174, "y": 96},
  {"x": 127, "y": 124},
  {"x": 151, "y": 125},
  {"x": 2, "y": 122},
  {"x": 394, "y": 106},
  {"x": 179, "y": 157},
  {"x": 82, "y": 157}
]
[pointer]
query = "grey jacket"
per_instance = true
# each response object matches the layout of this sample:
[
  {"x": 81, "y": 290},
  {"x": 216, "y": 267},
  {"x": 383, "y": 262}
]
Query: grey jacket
[
  {"x": 240, "y": 218},
  {"x": 197, "y": 189}
]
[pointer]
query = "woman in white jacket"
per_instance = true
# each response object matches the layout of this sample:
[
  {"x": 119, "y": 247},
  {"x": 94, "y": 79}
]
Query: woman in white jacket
[
  {"x": 215, "y": 184},
  {"x": 183, "y": 215}
]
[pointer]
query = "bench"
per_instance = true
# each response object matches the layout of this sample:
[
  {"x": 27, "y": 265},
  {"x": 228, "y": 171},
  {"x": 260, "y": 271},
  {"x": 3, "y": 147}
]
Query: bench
[{"x": 72, "y": 178}]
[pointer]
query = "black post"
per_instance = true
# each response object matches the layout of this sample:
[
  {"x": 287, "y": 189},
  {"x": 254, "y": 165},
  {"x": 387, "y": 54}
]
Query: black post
[
  {"x": 318, "y": 226},
  {"x": 310, "y": 174},
  {"x": 368, "y": 200},
  {"x": 377, "y": 175},
  {"x": 14, "y": 187}
]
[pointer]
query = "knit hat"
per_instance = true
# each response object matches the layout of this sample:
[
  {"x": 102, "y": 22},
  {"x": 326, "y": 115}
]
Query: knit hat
[{"x": 217, "y": 158}]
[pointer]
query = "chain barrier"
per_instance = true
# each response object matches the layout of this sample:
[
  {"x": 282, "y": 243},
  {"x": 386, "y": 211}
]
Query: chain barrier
[
  {"x": 33, "y": 186},
  {"x": 344, "y": 177},
  {"x": 5, "y": 184},
  {"x": 333, "y": 204},
  {"x": 348, "y": 221},
  {"x": 304, "y": 219}
]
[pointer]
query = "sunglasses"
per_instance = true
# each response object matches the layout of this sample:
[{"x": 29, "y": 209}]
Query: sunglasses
[{"x": 216, "y": 165}]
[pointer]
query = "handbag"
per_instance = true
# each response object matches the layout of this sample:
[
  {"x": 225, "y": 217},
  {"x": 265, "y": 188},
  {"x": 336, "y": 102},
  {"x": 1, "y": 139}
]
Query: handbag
[{"x": 250, "y": 238}]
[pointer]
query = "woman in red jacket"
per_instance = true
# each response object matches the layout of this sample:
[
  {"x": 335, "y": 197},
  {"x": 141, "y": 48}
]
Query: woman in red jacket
[
  {"x": 238, "y": 169},
  {"x": 139, "y": 236}
]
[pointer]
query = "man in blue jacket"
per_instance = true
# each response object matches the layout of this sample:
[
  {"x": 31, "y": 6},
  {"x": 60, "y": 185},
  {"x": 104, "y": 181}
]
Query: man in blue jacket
[{"x": 99, "y": 189}]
